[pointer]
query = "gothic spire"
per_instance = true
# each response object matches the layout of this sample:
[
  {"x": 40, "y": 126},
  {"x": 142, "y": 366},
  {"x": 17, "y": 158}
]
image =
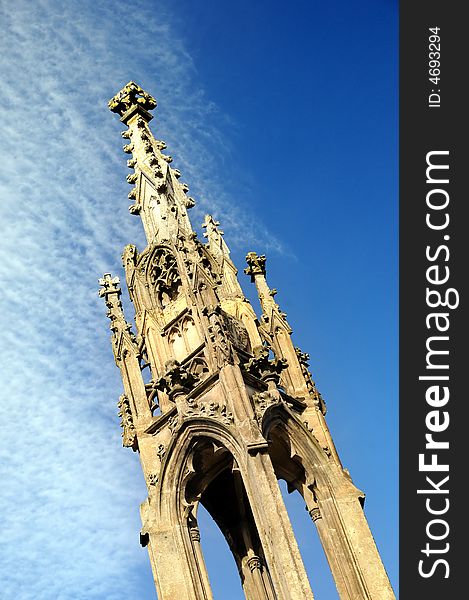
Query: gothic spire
[
  {"x": 218, "y": 248},
  {"x": 216, "y": 243},
  {"x": 158, "y": 196}
]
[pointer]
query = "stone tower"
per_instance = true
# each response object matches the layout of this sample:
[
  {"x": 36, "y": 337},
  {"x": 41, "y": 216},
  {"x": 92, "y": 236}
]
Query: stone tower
[{"x": 220, "y": 404}]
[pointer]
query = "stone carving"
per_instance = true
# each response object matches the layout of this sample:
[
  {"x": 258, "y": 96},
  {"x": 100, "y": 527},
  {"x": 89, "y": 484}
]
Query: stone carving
[
  {"x": 315, "y": 513},
  {"x": 211, "y": 227},
  {"x": 135, "y": 209},
  {"x": 163, "y": 276},
  {"x": 220, "y": 339},
  {"x": 262, "y": 367},
  {"x": 254, "y": 563},
  {"x": 303, "y": 359},
  {"x": 161, "y": 184},
  {"x": 129, "y": 256},
  {"x": 212, "y": 409},
  {"x": 236, "y": 331},
  {"x": 189, "y": 202},
  {"x": 256, "y": 265},
  {"x": 183, "y": 338},
  {"x": 131, "y": 95},
  {"x": 129, "y": 436},
  {"x": 173, "y": 423},
  {"x": 161, "y": 451},
  {"x": 132, "y": 178},
  {"x": 262, "y": 401},
  {"x": 196, "y": 256},
  {"x": 111, "y": 292},
  {"x": 128, "y": 148},
  {"x": 152, "y": 397},
  {"x": 157, "y": 171},
  {"x": 153, "y": 478},
  {"x": 192, "y": 524},
  {"x": 110, "y": 285},
  {"x": 198, "y": 367},
  {"x": 176, "y": 380}
]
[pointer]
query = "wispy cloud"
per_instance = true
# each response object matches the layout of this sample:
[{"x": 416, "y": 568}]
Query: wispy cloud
[{"x": 70, "y": 494}]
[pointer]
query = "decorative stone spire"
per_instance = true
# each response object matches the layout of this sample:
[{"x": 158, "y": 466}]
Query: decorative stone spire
[
  {"x": 158, "y": 197},
  {"x": 214, "y": 236},
  {"x": 111, "y": 292},
  {"x": 216, "y": 244}
]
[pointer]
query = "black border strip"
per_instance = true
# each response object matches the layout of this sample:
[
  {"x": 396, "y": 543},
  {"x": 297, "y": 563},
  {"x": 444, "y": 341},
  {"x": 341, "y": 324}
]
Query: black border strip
[{"x": 432, "y": 124}]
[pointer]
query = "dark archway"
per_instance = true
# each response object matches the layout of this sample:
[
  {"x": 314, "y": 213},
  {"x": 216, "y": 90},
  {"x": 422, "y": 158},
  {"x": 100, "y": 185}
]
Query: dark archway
[{"x": 218, "y": 486}]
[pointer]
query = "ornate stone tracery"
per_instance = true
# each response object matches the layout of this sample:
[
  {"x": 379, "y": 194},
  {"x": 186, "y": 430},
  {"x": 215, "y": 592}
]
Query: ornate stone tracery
[{"x": 162, "y": 275}]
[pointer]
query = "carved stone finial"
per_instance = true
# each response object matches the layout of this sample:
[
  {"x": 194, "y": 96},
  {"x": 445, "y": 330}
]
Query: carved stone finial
[
  {"x": 256, "y": 265},
  {"x": 111, "y": 292},
  {"x": 110, "y": 285},
  {"x": 176, "y": 380},
  {"x": 129, "y": 96}
]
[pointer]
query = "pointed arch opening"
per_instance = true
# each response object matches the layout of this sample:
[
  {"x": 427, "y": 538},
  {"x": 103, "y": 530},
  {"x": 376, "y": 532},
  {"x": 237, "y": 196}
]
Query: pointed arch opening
[
  {"x": 221, "y": 567},
  {"x": 217, "y": 486}
]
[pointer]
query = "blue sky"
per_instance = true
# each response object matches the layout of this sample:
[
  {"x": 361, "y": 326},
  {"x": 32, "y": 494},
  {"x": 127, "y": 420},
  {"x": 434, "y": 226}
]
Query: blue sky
[{"x": 283, "y": 120}]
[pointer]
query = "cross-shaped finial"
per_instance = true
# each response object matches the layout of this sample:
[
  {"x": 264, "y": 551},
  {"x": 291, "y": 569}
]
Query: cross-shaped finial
[
  {"x": 110, "y": 285},
  {"x": 256, "y": 265}
]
